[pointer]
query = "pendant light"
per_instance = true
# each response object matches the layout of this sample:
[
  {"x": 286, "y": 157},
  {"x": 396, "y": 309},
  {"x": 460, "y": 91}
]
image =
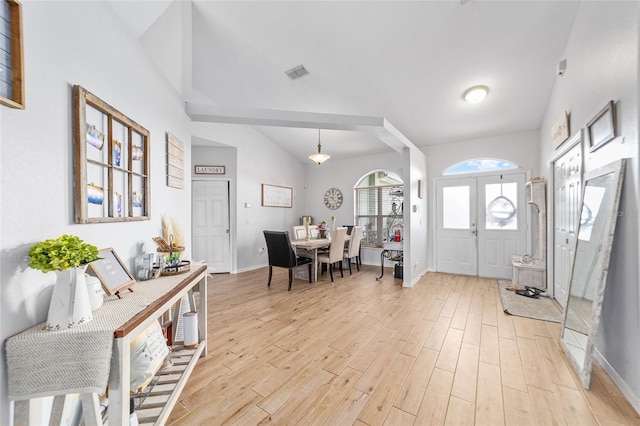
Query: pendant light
[{"x": 319, "y": 157}]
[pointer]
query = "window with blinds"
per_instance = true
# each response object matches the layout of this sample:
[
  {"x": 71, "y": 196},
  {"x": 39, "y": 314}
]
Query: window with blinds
[{"x": 379, "y": 207}]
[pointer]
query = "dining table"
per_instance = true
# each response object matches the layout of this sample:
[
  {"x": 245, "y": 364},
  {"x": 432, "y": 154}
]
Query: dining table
[{"x": 309, "y": 248}]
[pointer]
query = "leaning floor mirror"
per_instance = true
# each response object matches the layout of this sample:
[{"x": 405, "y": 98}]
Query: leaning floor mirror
[{"x": 600, "y": 200}]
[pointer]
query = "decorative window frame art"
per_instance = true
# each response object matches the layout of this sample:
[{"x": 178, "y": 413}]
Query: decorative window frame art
[
  {"x": 277, "y": 196},
  {"x": 12, "y": 75},
  {"x": 111, "y": 162},
  {"x": 601, "y": 128}
]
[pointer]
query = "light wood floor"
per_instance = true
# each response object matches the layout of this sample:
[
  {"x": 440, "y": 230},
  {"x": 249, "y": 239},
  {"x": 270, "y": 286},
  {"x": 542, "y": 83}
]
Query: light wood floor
[{"x": 367, "y": 352}]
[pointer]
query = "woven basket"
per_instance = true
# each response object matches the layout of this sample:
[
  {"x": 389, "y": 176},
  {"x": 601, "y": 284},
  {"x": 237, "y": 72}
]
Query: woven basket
[{"x": 164, "y": 247}]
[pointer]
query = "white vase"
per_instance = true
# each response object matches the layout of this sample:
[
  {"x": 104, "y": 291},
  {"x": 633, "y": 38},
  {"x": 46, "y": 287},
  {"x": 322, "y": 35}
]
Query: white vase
[
  {"x": 69, "y": 304},
  {"x": 95, "y": 291}
]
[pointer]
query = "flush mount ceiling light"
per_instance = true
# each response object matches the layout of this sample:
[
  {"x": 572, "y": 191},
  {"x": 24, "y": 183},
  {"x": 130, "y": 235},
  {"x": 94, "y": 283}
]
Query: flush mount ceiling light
[
  {"x": 475, "y": 94},
  {"x": 319, "y": 157}
]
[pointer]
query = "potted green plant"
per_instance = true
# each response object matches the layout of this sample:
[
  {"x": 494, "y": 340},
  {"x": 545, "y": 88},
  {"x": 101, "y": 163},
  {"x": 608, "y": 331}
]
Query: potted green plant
[{"x": 67, "y": 256}]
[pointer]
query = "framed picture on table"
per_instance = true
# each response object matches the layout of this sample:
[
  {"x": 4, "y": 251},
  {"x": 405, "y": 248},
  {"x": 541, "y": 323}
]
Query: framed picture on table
[{"x": 111, "y": 271}]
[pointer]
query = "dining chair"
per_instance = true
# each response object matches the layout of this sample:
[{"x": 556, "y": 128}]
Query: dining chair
[
  {"x": 353, "y": 249},
  {"x": 282, "y": 254},
  {"x": 336, "y": 251},
  {"x": 299, "y": 233},
  {"x": 349, "y": 231}
]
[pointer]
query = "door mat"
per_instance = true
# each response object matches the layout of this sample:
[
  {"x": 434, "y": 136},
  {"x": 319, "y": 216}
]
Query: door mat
[{"x": 543, "y": 308}]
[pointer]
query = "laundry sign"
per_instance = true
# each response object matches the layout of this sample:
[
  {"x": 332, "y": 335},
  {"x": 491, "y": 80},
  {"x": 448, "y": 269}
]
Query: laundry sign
[{"x": 210, "y": 170}]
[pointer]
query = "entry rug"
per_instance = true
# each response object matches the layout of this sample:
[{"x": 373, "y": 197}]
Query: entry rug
[{"x": 542, "y": 308}]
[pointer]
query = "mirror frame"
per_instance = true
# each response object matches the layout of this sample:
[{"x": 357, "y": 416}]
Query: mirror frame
[{"x": 616, "y": 168}]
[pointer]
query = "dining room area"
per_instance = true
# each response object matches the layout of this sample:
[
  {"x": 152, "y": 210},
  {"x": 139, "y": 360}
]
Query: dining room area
[{"x": 318, "y": 247}]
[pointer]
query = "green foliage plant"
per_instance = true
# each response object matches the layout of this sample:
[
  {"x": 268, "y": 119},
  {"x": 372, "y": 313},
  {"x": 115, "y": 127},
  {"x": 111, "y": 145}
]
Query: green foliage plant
[
  {"x": 61, "y": 254},
  {"x": 173, "y": 258}
]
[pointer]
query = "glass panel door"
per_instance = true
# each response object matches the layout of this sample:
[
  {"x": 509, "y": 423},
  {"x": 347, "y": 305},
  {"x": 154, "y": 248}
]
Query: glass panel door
[{"x": 456, "y": 250}]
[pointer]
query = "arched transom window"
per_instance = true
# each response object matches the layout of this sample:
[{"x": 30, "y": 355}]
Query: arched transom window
[{"x": 480, "y": 165}]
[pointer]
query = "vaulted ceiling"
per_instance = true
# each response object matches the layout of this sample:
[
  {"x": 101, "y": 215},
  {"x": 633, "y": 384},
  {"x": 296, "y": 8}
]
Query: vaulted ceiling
[{"x": 406, "y": 61}]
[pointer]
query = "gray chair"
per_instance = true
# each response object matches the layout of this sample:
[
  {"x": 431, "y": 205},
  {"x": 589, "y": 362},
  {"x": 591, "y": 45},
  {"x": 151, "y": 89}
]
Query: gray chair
[
  {"x": 282, "y": 254},
  {"x": 336, "y": 251}
]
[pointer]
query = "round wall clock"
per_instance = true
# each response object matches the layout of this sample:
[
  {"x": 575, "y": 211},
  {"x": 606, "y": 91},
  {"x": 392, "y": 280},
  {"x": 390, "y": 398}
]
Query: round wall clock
[{"x": 333, "y": 198}]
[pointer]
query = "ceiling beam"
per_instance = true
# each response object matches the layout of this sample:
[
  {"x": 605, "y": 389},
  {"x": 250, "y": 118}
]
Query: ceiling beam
[{"x": 376, "y": 126}]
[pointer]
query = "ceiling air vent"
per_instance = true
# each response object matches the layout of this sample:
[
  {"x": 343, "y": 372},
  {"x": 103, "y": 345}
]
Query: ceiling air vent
[{"x": 297, "y": 72}]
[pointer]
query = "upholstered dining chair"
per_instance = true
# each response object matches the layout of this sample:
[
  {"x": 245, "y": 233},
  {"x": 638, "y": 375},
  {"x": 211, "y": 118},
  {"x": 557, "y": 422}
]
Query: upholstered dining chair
[
  {"x": 282, "y": 254},
  {"x": 300, "y": 233},
  {"x": 336, "y": 251},
  {"x": 353, "y": 249}
]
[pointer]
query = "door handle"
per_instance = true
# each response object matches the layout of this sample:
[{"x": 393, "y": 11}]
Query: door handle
[
  {"x": 474, "y": 232},
  {"x": 227, "y": 231}
]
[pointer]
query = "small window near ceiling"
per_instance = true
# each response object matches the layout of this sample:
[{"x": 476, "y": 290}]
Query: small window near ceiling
[
  {"x": 379, "y": 205},
  {"x": 480, "y": 165}
]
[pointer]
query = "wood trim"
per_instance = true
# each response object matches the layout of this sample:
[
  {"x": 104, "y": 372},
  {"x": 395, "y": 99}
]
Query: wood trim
[
  {"x": 17, "y": 57},
  {"x": 136, "y": 320},
  {"x": 80, "y": 154}
]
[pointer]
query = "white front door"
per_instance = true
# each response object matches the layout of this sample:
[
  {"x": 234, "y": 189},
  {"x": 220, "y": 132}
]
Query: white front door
[
  {"x": 567, "y": 190},
  {"x": 456, "y": 230},
  {"x": 210, "y": 224},
  {"x": 502, "y": 223},
  {"x": 480, "y": 223}
]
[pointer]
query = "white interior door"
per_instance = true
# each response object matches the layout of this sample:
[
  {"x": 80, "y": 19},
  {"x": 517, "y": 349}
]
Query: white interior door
[
  {"x": 210, "y": 224},
  {"x": 456, "y": 250},
  {"x": 502, "y": 223},
  {"x": 567, "y": 188}
]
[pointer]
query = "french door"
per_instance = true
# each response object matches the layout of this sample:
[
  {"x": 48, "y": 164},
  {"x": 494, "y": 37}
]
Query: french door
[
  {"x": 480, "y": 223},
  {"x": 210, "y": 224}
]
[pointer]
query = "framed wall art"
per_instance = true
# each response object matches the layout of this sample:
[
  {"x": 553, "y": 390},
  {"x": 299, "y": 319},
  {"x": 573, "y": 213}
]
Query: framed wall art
[
  {"x": 111, "y": 163},
  {"x": 11, "y": 55},
  {"x": 175, "y": 162},
  {"x": 111, "y": 271},
  {"x": 560, "y": 130},
  {"x": 277, "y": 196},
  {"x": 601, "y": 128}
]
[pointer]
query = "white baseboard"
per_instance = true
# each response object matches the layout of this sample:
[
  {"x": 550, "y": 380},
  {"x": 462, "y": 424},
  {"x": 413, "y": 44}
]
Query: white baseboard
[
  {"x": 250, "y": 268},
  {"x": 633, "y": 399}
]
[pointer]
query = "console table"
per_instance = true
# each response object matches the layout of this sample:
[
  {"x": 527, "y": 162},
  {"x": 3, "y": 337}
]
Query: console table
[{"x": 82, "y": 359}]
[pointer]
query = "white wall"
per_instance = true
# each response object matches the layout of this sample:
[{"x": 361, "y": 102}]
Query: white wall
[
  {"x": 602, "y": 65},
  {"x": 258, "y": 161},
  {"x": 69, "y": 43},
  {"x": 415, "y": 216},
  {"x": 519, "y": 148}
]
